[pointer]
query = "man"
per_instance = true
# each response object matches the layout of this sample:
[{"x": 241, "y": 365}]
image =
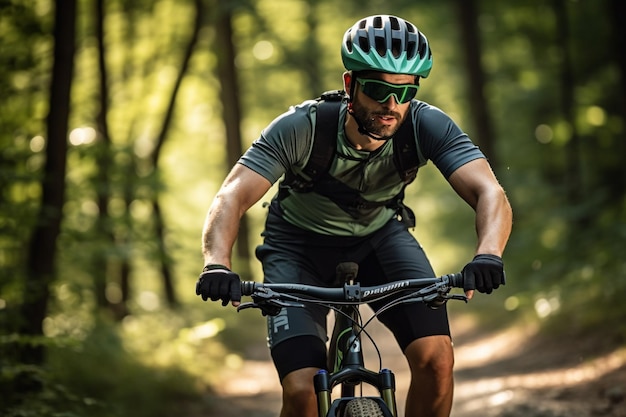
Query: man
[{"x": 308, "y": 232}]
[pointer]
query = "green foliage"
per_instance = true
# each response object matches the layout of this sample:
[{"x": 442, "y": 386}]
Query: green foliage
[
  {"x": 101, "y": 368},
  {"x": 32, "y": 390},
  {"x": 101, "y": 376}
]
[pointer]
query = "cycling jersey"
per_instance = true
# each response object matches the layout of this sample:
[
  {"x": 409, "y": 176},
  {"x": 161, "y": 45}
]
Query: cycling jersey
[{"x": 286, "y": 145}]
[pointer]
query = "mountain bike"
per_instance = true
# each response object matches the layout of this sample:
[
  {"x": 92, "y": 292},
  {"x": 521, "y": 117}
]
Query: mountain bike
[{"x": 346, "y": 365}]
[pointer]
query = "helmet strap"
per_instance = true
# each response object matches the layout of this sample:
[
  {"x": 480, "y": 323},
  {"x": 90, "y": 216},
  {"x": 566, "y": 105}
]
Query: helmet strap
[{"x": 362, "y": 130}]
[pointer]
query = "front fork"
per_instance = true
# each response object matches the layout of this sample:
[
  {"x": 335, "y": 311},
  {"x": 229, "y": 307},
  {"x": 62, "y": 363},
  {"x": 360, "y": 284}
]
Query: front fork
[
  {"x": 385, "y": 384},
  {"x": 388, "y": 390},
  {"x": 321, "y": 381}
]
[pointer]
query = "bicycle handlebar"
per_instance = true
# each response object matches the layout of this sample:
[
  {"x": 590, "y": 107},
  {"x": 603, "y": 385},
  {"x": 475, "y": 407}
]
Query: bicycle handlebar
[{"x": 352, "y": 293}]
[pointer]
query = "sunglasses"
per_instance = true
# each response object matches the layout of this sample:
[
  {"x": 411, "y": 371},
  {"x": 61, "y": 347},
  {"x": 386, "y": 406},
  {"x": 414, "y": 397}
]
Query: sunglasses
[{"x": 381, "y": 91}]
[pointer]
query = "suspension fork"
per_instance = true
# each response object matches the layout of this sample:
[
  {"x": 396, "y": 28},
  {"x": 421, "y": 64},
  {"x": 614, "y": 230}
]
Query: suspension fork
[
  {"x": 347, "y": 366},
  {"x": 344, "y": 351}
]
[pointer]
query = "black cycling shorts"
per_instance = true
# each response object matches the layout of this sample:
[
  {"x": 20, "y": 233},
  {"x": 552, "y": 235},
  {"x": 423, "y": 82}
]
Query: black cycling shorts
[{"x": 290, "y": 254}]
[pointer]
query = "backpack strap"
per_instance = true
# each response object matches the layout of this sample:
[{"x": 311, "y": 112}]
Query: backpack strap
[
  {"x": 323, "y": 147},
  {"x": 406, "y": 156},
  {"x": 407, "y": 159},
  {"x": 325, "y": 138}
]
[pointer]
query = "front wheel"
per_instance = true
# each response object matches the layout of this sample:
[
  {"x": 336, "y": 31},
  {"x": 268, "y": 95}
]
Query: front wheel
[{"x": 363, "y": 407}]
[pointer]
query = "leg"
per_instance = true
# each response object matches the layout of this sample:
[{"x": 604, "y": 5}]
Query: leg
[
  {"x": 431, "y": 361},
  {"x": 297, "y": 360},
  {"x": 297, "y": 336},
  {"x": 298, "y": 394}
]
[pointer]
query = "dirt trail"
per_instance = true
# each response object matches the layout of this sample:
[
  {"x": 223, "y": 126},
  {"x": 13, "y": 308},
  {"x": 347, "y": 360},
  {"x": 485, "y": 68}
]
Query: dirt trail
[{"x": 505, "y": 374}]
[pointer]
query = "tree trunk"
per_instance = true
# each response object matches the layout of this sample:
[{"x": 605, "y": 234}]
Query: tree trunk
[
  {"x": 104, "y": 165},
  {"x": 573, "y": 170},
  {"x": 167, "y": 121},
  {"x": 42, "y": 250},
  {"x": 312, "y": 54},
  {"x": 231, "y": 114},
  {"x": 618, "y": 35},
  {"x": 124, "y": 239},
  {"x": 467, "y": 16}
]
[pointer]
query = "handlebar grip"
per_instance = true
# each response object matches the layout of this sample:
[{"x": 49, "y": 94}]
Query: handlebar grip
[
  {"x": 248, "y": 287},
  {"x": 456, "y": 280}
]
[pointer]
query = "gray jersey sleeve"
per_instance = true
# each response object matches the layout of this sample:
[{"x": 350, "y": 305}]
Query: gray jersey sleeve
[
  {"x": 442, "y": 141},
  {"x": 286, "y": 142}
]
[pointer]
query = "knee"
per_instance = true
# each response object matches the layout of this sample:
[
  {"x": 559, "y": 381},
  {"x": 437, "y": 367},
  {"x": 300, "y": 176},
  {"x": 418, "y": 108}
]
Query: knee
[
  {"x": 298, "y": 391},
  {"x": 431, "y": 356}
]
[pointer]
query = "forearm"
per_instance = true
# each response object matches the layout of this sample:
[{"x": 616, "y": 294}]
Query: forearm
[
  {"x": 241, "y": 189},
  {"x": 493, "y": 222},
  {"x": 220, "y": 231}
]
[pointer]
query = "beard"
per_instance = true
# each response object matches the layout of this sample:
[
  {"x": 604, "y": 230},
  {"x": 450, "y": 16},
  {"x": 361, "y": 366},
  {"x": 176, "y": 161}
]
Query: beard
[{"x": 369, "y": 121}]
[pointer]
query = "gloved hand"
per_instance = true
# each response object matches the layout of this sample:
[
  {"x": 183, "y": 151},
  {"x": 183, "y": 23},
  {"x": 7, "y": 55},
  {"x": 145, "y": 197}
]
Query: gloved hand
[
  {"x": 485, "y": 273},
  {"x": 217, "y": 282}
]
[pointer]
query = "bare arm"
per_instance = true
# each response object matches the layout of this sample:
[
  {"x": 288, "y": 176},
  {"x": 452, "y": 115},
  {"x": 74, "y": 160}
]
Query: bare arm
[
  {"x": 478, "y": 186},
  {"x": 241, "y": 189}
]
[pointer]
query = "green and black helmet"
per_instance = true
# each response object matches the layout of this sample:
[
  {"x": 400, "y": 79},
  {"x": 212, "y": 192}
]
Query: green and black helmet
[{"x": 388, "y": 44}]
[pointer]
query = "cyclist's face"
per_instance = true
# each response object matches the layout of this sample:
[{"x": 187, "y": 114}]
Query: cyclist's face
[{"x": 381, "y": 118}]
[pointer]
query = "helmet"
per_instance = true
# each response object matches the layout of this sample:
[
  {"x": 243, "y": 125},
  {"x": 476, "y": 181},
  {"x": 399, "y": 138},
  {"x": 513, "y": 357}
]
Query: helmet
[{"x": 388, "y": 44}]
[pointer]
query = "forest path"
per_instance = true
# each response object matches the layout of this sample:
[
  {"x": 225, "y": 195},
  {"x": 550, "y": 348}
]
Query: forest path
[{"x": 506, "y": 373}]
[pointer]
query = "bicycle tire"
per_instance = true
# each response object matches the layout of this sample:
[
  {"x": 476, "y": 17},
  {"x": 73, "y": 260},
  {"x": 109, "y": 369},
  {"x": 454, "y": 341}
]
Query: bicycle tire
[{"x": 363, "y": 407}]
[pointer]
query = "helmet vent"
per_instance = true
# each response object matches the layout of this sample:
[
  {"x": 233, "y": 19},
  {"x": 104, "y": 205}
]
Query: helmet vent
[
  {"x": 349, "y": 45},
  {"x": 396, "y": 48},
  {"x": 378, "y": 22},
  {"x": 364, "y": 45},
  {"x": 422, "y": 50},
  {"x": 411, "y": 49},
  {"x": 381, "y": 45},
  {"x": 395, "y": 25}
]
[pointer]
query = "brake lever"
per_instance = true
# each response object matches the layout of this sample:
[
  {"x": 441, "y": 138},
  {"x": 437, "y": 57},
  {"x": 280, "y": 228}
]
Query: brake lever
[
  {"x": 443, "y": 293},
  {"x": 269, "y": 307},
  {"x": 273, "y": 303},
  {"x": 437, "y": 300},
  {"x": 244, "y": 306},
  {"x": 460, "y": 297},
  {"x": 446, "y": 297}
]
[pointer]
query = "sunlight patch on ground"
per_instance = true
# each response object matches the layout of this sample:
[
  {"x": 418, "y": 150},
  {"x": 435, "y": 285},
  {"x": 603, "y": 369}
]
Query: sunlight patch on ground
[
  {"x": 252, "y": 377},
  {"x": 497, "y": 391},
  {"x": 501, "y": 345}
]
